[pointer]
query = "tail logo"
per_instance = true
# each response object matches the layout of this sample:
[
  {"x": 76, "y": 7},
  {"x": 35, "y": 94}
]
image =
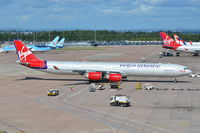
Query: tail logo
[
  {"x": 54, "y": 43},
  {"x": 167, "y": 41},
  {"x": 23, "y": 55}
]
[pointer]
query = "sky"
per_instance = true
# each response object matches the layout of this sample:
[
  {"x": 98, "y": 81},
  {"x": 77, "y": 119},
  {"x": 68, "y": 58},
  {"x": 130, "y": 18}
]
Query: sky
[{"x": 100, "y": 14}]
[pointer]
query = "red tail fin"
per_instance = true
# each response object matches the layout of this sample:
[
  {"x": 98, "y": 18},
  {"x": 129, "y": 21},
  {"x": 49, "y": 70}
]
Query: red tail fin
[
  {"x": 168, "y": 40},
  {"x": 26, "y": 57},
  {"x": 176, "y": 37}
]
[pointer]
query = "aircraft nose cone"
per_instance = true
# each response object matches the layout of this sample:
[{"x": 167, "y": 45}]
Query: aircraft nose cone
[{"x": 189, "y": 71}]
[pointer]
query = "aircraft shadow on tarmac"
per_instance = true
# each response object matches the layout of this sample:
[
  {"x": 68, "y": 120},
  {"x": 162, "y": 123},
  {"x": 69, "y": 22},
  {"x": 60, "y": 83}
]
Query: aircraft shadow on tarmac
[
  {"x": 159, "y": 81},
  {"x": 103, "y": 81},
  {"x": 83, "y": 81}
]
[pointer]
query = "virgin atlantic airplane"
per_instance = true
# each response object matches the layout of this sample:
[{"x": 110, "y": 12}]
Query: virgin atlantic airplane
[
  {"x": 95, "y": 71},
  {"x": 169, "y": 43}
]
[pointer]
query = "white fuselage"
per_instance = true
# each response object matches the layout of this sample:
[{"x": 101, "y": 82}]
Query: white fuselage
[
  {"x": 195, "y": 43},
  {"x": 126, "y": 69},
  {"x": 192, "y": 43},
  {"x": 189, "y": 48}
]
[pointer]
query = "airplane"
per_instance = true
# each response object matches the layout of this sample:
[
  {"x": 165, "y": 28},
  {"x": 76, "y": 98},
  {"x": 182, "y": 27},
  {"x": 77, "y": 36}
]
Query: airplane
[
  {"x": 194, "y": 43},
  {"x": 181, "y": 41},
  {"x": 40, "y": 48},
  {"x": 7, "y": 48},
  {"x": 60, "y": 44},
  {"x": 169, "y": 43},
  {"x": 97, "y": 71},
  {"x": 54, "y": 42},
  {"x": 49, "y": 46}
]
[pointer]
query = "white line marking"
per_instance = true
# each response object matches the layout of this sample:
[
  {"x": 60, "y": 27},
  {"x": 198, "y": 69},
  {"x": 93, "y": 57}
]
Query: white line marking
[{"x": 75, "y": 94}]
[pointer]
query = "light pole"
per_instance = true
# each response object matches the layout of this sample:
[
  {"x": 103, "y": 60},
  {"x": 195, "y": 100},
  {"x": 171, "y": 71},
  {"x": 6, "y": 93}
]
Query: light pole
[
  {"x": 95, "y": 33},
  {"x": 49, "y": 36}
]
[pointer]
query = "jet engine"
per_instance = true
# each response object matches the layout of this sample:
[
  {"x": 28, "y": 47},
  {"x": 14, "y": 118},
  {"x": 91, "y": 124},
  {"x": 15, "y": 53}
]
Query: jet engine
[
  {"x": 114, "y": 77},
  {"x": 94, "y": 75}
]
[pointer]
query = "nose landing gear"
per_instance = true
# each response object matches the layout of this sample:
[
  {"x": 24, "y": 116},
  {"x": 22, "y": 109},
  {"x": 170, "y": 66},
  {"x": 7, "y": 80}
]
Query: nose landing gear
[{"x": 175, "y": 80}]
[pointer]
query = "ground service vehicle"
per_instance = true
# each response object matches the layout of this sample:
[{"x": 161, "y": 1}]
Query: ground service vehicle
[
  {"x": 53, "y": 92},
  {"x": 115, "y": 85},
  {"x": 92, "y": 87},
  {"x": 120, "y": 100},
  {"x": 149, "y": 87},
  {"x": 101, "y": 87},
  {"x": 194, "y": 75}
]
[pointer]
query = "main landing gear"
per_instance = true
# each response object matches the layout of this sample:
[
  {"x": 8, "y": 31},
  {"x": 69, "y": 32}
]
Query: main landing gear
[
  {"x": 195, "y": 54},
  {"x": 177, "y": 53},
  {"x": 175, "y": 80}
]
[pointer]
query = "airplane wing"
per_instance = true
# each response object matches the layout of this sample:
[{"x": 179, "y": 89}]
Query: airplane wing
[
  {"x": 1, "y": 50},
  {"x": 82, "y": 72}
]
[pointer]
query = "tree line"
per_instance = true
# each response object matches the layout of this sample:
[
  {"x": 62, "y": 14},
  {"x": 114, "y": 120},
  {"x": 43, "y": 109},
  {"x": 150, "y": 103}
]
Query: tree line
[{"x": 91, "y": 35}]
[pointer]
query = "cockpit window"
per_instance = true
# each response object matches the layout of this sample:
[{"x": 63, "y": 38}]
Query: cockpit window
[{"x": 186, "y": 68}]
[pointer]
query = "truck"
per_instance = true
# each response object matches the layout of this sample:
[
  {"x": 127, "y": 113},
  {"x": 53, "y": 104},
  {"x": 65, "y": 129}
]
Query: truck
[
  {"x": 148, "y": 86},
  {"x": 96, "y": 86},
  {"x": 53, "y": 92},
  {"x": 100, "y": 87},
  {"x": 115, "y": 85},
  {"x": 120, "y": 100},
  {"x": 92, "y": 87},
  {"x": 194, "y": 75}
]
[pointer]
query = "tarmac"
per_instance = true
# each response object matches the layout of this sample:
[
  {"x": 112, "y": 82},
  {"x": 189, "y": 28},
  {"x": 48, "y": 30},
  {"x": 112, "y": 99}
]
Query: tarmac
[{"x": 170, "y": 108}]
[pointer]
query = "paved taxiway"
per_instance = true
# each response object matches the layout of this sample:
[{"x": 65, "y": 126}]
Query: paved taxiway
[{"x": 25, "y": 106}]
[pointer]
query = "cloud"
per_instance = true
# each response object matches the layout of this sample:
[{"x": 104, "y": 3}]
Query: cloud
[
  {"x": 103, "y": 13},
  {"x": 172, "y": 3},
  {"x": 25, "y": 18}
]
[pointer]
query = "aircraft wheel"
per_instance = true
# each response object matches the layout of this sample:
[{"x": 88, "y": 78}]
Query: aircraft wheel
[{"x": 195, "y": 54}]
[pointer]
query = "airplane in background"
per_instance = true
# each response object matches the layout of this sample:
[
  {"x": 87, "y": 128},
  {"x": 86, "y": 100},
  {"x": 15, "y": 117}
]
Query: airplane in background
[
  {"x": 182, "y": 42},
  {"x": 52, "y": 45},
  {"x": 194, "y": 43},
  {"x": 7, "y": 48},
  {"x": 169, "y": 43},
  {"x": 49, "y": 46},
  {"x": 96, "y": 71},
  {"x": 61, "y": 43},
  {"x": 179, "y": 40}
]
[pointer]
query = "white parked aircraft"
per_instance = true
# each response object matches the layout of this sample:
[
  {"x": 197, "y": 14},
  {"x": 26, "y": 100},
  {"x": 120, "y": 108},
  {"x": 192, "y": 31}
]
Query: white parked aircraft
[
  {"x": 95, "y": 71},
  {"x": 169, "y": 43},
  {"x": 182, "y": 42}
]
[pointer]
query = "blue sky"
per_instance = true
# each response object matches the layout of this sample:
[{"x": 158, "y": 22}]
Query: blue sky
[{"x": 100, "y": 14}]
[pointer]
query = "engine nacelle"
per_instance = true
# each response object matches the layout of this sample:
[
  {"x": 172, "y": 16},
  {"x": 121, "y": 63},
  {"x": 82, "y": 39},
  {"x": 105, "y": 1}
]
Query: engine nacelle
[
  {"x": 114, "y": 77},
  {"x": 94, "y": 75}
]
